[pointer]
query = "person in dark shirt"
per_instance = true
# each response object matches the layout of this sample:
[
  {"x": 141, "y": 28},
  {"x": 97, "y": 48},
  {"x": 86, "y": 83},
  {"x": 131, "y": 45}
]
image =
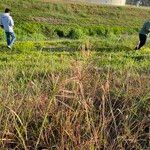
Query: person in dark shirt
[{"x": 143, "y": 35}]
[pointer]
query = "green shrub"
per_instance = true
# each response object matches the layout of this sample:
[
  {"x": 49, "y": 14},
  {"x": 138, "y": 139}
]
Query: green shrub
[
  {"x": 100, "y": 30},
  {"x": 76, "y": 33}
]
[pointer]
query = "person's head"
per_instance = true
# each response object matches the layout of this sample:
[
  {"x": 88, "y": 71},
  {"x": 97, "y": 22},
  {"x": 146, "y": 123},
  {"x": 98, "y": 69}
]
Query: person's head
[{"x": 7, "y": 10}]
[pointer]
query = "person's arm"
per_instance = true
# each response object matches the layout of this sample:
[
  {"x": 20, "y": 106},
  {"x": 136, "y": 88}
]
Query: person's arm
[{"x": 11, "y": 22}]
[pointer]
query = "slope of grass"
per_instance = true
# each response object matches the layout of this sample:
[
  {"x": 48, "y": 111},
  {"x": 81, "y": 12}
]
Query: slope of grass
[{"x": 49, "y": 19}]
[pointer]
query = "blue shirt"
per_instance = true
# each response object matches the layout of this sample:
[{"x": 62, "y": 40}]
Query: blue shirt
[{"x": 7, "y": 22}]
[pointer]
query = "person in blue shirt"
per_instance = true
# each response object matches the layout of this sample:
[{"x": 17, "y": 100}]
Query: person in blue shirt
[{"x": 8, "y": 24}]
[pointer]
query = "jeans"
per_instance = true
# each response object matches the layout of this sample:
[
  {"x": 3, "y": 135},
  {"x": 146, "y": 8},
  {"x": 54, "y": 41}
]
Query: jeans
[{"x": 10, "y": 36}]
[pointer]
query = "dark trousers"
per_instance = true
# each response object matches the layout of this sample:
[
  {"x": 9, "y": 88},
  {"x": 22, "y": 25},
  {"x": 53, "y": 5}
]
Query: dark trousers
[
  {"x": 10, "y": 36},
  {"x": 142, "y": 41}
]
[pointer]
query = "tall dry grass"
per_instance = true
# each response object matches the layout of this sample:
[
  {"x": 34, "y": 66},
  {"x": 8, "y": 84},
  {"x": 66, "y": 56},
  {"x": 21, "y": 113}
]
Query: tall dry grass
[{"x": 81, "y": 108}]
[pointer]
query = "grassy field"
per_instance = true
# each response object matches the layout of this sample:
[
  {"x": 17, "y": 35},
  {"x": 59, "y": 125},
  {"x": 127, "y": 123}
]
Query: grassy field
[
  {"x": 45, "y": 20},
  {"x": 72, "y": 80}
]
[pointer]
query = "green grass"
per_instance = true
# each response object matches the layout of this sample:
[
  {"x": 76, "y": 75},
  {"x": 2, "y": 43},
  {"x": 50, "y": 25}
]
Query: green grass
[
  {"x": 86, "y": 90},
  {"x": 39, "y": 19},
  {"x": 74, "y": 99}
]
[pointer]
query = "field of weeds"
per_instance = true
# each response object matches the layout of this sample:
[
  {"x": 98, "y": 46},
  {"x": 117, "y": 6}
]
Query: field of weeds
[
  {"x": 72, "y": 80},
  {"x": 74, "y": 99}
]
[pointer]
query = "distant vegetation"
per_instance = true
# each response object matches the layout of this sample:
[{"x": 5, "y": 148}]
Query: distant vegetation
[{"x": 43, "y": 20}]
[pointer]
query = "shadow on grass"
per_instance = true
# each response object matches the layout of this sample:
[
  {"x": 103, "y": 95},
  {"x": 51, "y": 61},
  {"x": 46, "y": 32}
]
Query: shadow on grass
[
  {"x": 114, "y": 48},
  {"x": 140, "y": 57},
  {"x": 3, "y": 48},
  {"x": 60, "y": 49},
  {"x": 95, "y": 48}
]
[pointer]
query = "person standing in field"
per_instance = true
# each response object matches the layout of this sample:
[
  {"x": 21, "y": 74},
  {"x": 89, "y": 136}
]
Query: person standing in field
[
  {"x": 8, "y": 24},
  {"x": 138, "y": 3},
  {"x": 143, "y": 35}
]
